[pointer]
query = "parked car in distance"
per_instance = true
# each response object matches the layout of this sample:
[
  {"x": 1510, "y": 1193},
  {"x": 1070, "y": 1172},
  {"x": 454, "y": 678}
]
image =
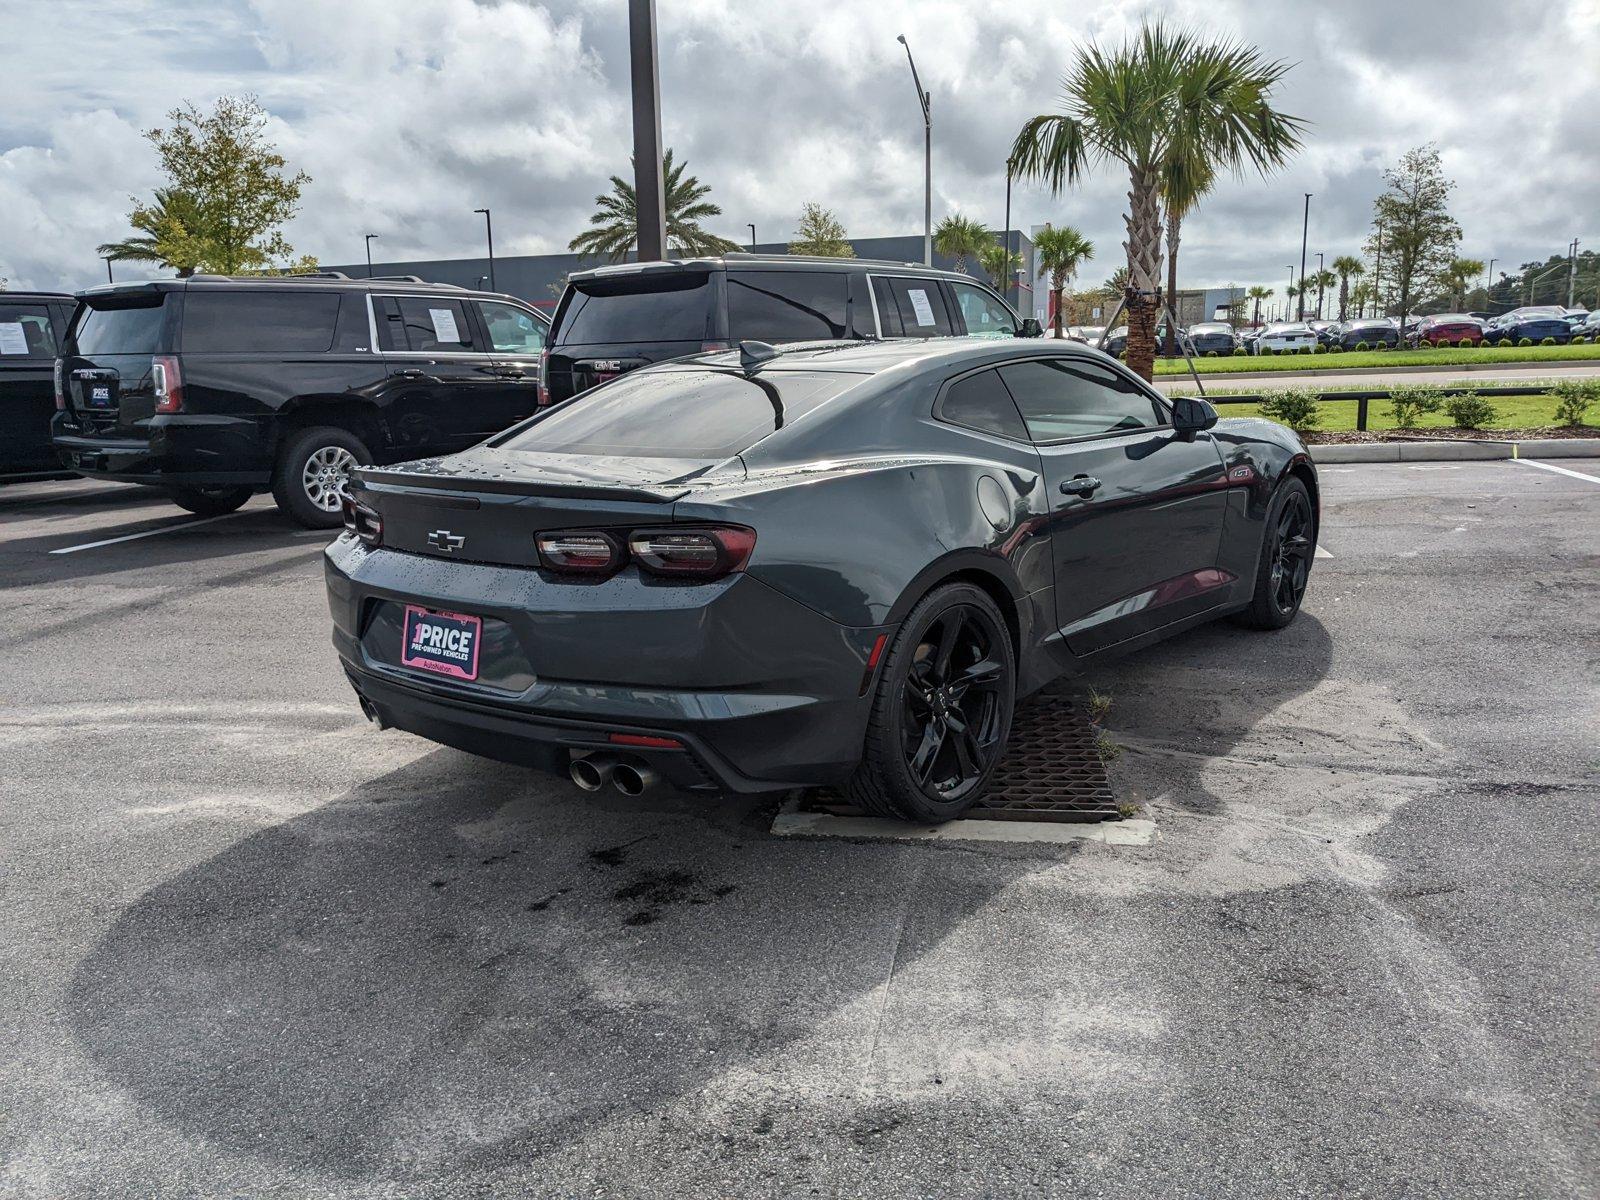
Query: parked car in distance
[
  {"x": 216, "y": 387},
  {"x": 1210, "y": 338},
  {"x": 1370, "y": 333},
  {"x": 1285, "y": 337},
  {"x": 1589, "y": 329},
  {"x": 32, "y": 325},
  {"x": 1447, "y": 329},
  {"x": 1327, "y": 332},
  {"x": 1528, "y": 326},
  {"x": 616, "y": 319},
  {"x": 1089, "y": 335},
  {"x": 828, "y": 565}
]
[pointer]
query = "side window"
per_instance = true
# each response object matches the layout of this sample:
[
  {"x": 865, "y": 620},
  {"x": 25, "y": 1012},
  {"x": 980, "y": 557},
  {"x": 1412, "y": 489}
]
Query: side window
[
  {"x": 511, "y": 330},
  {"x": 917, "y": 307},
  {"x": 25, "y": 332},
  {"x": 431, "y": 323},
  {"x": 982, "y": 402},
  {"x": 1062, "y": 399},
  {"x": 787, "y": 306},
  {"x": 982, "y": 311},
  {"x": 258, "y": 321}
]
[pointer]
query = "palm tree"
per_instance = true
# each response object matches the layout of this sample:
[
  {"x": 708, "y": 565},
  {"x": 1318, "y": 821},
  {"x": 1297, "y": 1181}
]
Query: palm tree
[
  {"x": 616, "y": 223},
  {"x": 1323, "y": 279},
  {"x": 1116, "y": 284},
  {"x": 1459, "y": 276},
  {"x": 961, "y": 238},
  {"x": 1348, "y": 267},
  {"x": 1060, "y": 253},
  {"x": 1361, "y": 295},
  {"x": 999, "y": 265},
  {"x": 169, "y": 229},
  {"x": 1181, "y": 189},
  {"x": 1258, "y": 294},
  {"x": 1161, "y": 104}
]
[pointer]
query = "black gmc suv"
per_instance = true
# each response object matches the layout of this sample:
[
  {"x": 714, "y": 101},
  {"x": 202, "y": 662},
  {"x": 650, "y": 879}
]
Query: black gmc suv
[
  {"x": 217, "y": 387},
  {"x": 32, "y": 325},
  {"x": 613, "y": 319}
]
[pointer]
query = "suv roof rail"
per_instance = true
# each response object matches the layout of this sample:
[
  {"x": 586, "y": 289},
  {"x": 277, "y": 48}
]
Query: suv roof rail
[
  {"x": 270, "y": 278},
  {"x": 748, "y": 255}
]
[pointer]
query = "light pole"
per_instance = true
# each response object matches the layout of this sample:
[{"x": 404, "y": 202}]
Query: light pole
[
  {"x": 650, "y": 199},
  {"x": 1305, "y": 225},
  {"x": 1488, "y": 282},
  {"x": 1009, "y": 272},
  {"x": 488, "y": 228},
  {"x": 369, "y": 238},
  {"x": 1572, "y": 274},
  {"x": 752, "y": 236},
  {"x": 1377, "y": 273},
  {"x": 926, "y": 100}
]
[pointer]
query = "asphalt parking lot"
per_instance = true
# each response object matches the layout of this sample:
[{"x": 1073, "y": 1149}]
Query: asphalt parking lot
[{"x": 252, "y": 947}]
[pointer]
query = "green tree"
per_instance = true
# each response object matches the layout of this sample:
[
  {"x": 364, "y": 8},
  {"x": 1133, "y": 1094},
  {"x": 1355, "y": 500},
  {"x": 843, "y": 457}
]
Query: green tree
[
  {"x": 1060, "y": 254},
  {"x": 229, "y": 194},
  {"x": 1362, "y": 295},
  {"x": 1348, "y": 267},
  {"x": 1419, "y": 234},
  {"x": 1116, "y": 284},
  {"x": 1258, "y": 294},
  {"x": 1460, "y": 276},
  {"x": 1182, "y": 184},
  {"x": 1322, "y": 281},
  {"x": 615, "y": 222},
  {"x": 821, "y": 233},
  {"x": 961, "y": 238},
  {"x": 999, "y": 265},
  {"x": 1162, "y": 103}
]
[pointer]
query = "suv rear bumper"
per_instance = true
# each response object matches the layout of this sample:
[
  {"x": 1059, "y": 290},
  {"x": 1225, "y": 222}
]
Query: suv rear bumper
[{"x": 180, "y": 450}]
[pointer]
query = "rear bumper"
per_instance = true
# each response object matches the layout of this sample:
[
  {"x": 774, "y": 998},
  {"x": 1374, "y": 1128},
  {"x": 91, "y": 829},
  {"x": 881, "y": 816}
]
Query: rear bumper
[
  {"x": 761, "y": 692},
  {"x": 177, "y": 450}
]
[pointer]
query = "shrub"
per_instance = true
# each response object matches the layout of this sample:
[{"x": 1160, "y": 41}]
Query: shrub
[
  {"x": 1505, "y": 342},
  {"x": 1411, "y": 401},
  {"x": 1548, "y": 341},
  {"x": 1335, "y": 347},
  {"x": 1240, "y": 350},
  {"x": 1580, "y": 340},
  {"x": 1266, "y": 350},
  {"x": 1295, "y": 407},
  {"x": 1362, "y": 345},
  {"x": 1573, "y": 398},
  {"x": 1318, "y": 348},
  {"x": 1470, "y": 411},
  {"x": 1525, "y": 341}
]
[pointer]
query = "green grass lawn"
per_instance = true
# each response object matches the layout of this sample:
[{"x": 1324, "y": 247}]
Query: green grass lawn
[
  {"x": 1514, "y": 412},
  {"x": 1375, "y": 358}
]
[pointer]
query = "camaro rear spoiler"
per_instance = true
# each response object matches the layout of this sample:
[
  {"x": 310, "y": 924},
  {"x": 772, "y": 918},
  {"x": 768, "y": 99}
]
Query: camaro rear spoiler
[{"x": 398, "y": 482}]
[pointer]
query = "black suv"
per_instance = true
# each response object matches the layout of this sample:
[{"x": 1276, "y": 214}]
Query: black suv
[
  {"x": 32, "y": 325},
  {"x": 614, "y": 319},
  {"x": 217, "y": 387}
]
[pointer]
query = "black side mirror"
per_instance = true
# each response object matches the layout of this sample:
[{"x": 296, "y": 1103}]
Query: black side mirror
[
  {"x": 1031, "y": 328},
  {"x": 1191, "y": 414}
]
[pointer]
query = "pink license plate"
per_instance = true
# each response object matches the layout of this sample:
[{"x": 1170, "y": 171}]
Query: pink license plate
[{"x": 444, "y": 643}]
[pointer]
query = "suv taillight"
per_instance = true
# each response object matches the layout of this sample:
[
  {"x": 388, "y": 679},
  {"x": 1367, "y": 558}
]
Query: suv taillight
[
  {"x": 61, "y": 385},
  {"x": 699, "y": 552},
  {"x": 362, "y": 521},
  {"x": 167, "y": 379}
]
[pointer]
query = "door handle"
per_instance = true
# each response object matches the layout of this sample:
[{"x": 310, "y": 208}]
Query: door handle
[
  {"x": 1080, "y": 485},
  {"x": 511, "y": 373},
  {"x": 413, "y": 372}
]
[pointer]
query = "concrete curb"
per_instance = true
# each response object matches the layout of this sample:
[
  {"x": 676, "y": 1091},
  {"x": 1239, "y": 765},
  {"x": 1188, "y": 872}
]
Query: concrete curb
[
  {"x": 790, "y": 822},
  {"x": 1455, "y": 451}
]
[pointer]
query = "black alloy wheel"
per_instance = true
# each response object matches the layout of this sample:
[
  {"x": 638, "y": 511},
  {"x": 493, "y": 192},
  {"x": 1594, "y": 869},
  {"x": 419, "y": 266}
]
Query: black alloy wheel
[
  {"x": 1288, "y": 546},
  {"x": 942, "y": 711}
]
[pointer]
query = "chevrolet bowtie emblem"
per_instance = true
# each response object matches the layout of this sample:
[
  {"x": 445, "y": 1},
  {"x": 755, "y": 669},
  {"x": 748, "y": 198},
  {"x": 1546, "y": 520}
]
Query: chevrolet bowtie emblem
[{"x": 443, "y": 539}]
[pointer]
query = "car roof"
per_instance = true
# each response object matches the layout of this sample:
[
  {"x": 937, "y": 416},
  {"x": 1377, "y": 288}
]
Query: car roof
[
  {"x": 773, "y": 262},
  {"x": 872, "y": 357},
  {"x": 318, "y": 280}
]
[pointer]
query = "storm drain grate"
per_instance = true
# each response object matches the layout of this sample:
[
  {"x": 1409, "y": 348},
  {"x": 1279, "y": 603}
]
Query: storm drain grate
[{"x": 1052, "y": 770}]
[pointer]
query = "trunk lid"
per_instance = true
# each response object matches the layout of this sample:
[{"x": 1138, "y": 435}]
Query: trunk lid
[{"x": 106, "y": 367}]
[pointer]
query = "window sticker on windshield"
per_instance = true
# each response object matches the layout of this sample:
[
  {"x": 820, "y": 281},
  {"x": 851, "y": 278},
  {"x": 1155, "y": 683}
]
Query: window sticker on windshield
[
  {"x": 919, "y": 303},
  {"x": 444, "y": 325},
  {"x": 12, "y": 339}
]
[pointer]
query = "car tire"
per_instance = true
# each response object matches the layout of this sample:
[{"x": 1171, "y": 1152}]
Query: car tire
[
  {"x": 210, "y": 501},
  {"x": 1288, "y": 544},
  {"x": 919, "y": 703},
  {"x": 310, "y": 473}
]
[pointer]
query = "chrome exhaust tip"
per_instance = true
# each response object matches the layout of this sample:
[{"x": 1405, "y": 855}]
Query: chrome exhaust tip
[
  {"x": 369, "y": 710},
  {"x": 633, "y": 781},
  {"x": 591, "y": 772}
]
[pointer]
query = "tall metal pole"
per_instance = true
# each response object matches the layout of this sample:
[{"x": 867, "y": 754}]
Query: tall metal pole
[
  {"x": 1305, "y": 225},
  {"x": 1572, "y": 274},
  {"x": 488, "y": 227},
  {"x": 926, "y": 100},
  {"x": 1377, "y": 276},
  {"x": 369, "y": 238},
  {"x": 752, "y": 236},
  {"x": 1007, "y": 255},
  {"x": 650, "y": 200},
  {"x": 1488, "y": 282}
]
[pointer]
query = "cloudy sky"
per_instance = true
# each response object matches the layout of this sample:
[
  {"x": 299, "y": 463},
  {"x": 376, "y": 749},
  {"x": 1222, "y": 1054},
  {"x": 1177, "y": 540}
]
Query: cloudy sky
[{"x": 409, "y": 114}]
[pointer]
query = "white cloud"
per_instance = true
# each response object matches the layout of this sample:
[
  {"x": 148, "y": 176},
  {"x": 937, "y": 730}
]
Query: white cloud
[{"x": 411, "y": 113}]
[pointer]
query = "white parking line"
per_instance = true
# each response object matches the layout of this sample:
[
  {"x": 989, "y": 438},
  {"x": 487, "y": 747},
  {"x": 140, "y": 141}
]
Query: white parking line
[
  {"x": 1528, "y": 462},
  {"x": 133, "y": 537}
]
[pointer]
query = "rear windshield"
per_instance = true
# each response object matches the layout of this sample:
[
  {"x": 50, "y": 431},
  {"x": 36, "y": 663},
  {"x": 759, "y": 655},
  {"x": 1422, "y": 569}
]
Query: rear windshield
[
  {"x": 277, "y": 322},
  {"x": 680, "y": 413},
  {"x": 673, "y": 308},
  {"x": 124, "y": 329}
]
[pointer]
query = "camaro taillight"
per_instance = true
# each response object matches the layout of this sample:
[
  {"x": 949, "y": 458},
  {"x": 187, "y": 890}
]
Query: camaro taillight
[
  {"x": 581, "y": 552},
  {"x": 362, "y": 521},
  {"x": 61, "y": 385},
  {"x": 696, "y": 551},
  {"x": 167, "y": 380},
  {"x": 707, "y": 553}
]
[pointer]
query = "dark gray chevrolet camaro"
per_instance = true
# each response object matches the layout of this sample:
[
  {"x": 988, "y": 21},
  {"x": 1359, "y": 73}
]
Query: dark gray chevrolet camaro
[{"x": 835, "y": 563}]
